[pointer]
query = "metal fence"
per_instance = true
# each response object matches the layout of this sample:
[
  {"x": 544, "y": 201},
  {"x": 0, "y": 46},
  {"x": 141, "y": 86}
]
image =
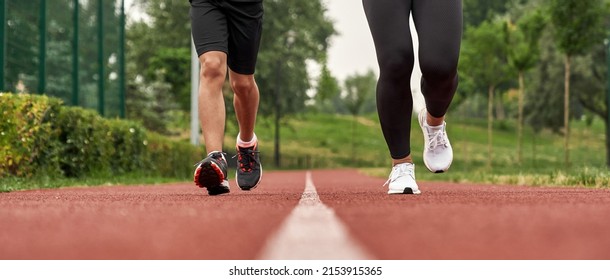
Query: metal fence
[{"x": 71, "y": 49}]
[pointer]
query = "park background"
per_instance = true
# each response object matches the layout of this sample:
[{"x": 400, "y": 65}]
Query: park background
[{"x": 99, "y": 92}]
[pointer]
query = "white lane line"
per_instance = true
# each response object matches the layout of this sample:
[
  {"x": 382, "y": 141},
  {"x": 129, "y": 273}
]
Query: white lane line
[{"x": 312, "y": 231}]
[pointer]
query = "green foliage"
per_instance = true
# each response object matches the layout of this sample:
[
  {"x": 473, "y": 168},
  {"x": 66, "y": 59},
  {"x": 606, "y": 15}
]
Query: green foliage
[
  {"x": 590, "y": 80},
  {"x": 577, "y": 24},
  {"x": 328, "y": 88},
  {"x": 129, "y": 141},
  {"x": 294, "y": 32},
  {"x": 478, "y": 11},
  {"x": 27, "y": 136},
  {"x": 523, "y": 38},
  {"x": 151, "y": 103},
  {"x": 544, "y": 99},
  {"x": 172, "y": 158},
  {"x": 40, "y": 138},
  {"x": 85, "y": 148},
  {"x": 358, "y": 90},
  {"x": 23, "y": 65},
  {"x": 171, "y": 63},
  {"x": 484, "y": 53}
]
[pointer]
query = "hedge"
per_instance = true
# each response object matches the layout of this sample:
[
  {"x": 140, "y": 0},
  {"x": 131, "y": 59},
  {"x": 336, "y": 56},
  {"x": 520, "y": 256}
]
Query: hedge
[{"x": 40, "y": 136}]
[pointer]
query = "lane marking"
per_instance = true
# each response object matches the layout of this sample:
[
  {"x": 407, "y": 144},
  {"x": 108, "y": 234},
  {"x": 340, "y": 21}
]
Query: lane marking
[{"x": 312, "y": 231}]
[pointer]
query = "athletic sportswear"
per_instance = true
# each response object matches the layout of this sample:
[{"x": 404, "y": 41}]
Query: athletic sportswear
[
  {"x": 211, "y": 173},
  {"x": 439, "y": 29},
  {"x": 233, "y": 27},
  {"x": 402, "y": 180},
  {"x": 249, "y": 168},
  {"x": 438, "y": 153}
]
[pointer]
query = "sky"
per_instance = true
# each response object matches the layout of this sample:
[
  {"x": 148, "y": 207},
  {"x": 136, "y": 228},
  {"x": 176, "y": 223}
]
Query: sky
[{"x": 352, "y": 51}]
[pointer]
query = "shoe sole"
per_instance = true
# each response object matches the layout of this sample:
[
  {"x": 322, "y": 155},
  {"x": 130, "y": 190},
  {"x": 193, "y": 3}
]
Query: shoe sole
[
  {"x": 248, "y": 188},
  {"x": 405, "y": 191},
  {"x": 210, "y": 176}
]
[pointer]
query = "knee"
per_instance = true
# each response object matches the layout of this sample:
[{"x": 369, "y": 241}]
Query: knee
[
  {"x": 243, "y": 85},
  {"x": 212, "y": 68},
  {"x": 398, "y": 64},
  {"x": 438, "y": 69}
]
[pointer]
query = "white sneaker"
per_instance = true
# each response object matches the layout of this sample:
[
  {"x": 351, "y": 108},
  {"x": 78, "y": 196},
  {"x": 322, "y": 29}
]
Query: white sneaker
[
  {"x": 438, "y": 153},
  {"x": 402, "y": 180}
]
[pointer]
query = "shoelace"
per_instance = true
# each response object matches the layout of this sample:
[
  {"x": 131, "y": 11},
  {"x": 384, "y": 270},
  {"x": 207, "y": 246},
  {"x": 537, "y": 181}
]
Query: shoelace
[
  {"x": 436, "y": 139},
  {"x": 398, "y": 171},
  {"x": 201, "y": 161},
  {"x": 246, "y": 158}
]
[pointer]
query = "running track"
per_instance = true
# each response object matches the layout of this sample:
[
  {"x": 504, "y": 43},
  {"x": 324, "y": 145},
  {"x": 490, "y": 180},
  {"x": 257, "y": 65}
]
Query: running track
[{"x": 334, "y": 214}]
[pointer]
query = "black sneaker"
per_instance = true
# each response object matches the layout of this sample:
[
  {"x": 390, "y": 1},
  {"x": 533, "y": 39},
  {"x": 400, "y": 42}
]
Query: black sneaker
[
  {"x": 249, "y": 168},
  {"x": 211, "y": 173}
]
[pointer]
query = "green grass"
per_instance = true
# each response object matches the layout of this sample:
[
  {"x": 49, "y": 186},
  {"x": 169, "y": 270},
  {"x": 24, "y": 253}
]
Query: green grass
[
  {"x": 317, "y": 141},
  {"x": 43, "y": 182},
  {"x": 326, "y": 141}
]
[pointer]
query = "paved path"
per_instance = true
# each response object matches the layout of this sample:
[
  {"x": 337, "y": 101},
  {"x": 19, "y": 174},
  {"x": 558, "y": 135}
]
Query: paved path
[{"x": 341, "y": 214}]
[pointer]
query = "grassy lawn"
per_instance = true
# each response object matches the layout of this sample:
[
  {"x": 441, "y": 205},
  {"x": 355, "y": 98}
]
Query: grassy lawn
[
  {"x": 316, "y": 141},
  {"x": 325, "y": 141}
]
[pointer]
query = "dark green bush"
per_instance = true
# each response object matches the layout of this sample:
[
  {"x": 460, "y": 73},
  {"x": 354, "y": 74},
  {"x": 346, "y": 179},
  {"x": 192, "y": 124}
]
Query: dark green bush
[
  {"x": 39, "y": 136},
  {"x": 86, "y": 142},
  {"x": 28, "y": 141},
  {"x": 130, "y": 147},
  {"x": 171, "y": 158}
]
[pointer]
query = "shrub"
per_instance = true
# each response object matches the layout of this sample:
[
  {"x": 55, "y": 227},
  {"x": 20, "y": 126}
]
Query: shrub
[
  {"x": 28, "y": 141},
  {"x": 39, "y": 136},
  {"x": 171, "y": 158},
  {"x": 130, "y": 147}
]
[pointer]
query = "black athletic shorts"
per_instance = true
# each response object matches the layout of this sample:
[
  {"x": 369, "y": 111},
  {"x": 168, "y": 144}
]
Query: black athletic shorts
[{"x": 230, "y": 26}]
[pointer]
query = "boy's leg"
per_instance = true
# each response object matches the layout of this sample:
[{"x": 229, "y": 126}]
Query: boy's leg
[
  {"x": 246, "y": 100},
  {"x": 210, "y": 35},
  {"x": 212, "y": 113},
  {"x": 245, "y": 21}
]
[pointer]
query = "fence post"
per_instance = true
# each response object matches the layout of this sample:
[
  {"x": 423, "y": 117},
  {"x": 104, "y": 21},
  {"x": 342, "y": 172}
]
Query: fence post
[
  {"x": 100, "y": 56},
  {"x": 122, "y": 60},
  {"x": 42, "y": 54},
  {"x": 75, "y": 70},
  {"x": 2, "y": 42}
]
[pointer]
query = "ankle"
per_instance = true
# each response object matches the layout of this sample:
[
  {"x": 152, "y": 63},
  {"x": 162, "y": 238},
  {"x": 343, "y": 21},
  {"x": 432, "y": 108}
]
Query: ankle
[
  {"x": 434, "y": 121},
  {"x": 246, "y": 144},
  {"x": 407, "y": 159}
]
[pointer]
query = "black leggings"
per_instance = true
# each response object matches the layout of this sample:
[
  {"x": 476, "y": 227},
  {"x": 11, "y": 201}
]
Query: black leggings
[{"x": 439, "y": 29}]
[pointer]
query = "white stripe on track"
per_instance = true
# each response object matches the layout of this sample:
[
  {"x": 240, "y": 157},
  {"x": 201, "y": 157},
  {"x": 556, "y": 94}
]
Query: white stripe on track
[{"x": 312, "y": 231}]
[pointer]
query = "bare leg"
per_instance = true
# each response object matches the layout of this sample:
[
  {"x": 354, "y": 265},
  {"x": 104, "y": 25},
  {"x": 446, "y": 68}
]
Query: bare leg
[
  {"x": 211, "y": 101},
  {"x": 406, "y": 159},
  {"x": 245, "y": 102}
]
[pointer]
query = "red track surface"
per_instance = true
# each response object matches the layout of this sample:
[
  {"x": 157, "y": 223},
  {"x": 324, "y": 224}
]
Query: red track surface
[{"x": 180, "y": 221}]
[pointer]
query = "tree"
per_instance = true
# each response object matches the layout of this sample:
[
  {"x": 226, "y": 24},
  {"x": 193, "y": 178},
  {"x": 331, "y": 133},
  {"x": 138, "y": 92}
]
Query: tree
[
  {"x": 162, "y": 42},
  {"x": 590, "y": 79},
  {"x": 294, "y": 33},
  {"x": 577, "y": 26},
  {"x": 358, "y": 89},
  {"x": 523, "y": 54},
  {"x": 327, "y": 89},
  {"x": 483, "y": 61},
  {"x": 478, "y": 11}
]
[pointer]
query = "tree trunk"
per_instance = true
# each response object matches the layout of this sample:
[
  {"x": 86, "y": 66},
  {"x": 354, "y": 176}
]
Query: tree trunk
[
  {"x": 354, "y": 154},
  {"x": 520, "y": 119},
  {"x": 490, "y": 118},
  {"x": 566, "y": 111},
  {"x": 500, "y": 113},
  {"x": 608, "y": 138}
]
